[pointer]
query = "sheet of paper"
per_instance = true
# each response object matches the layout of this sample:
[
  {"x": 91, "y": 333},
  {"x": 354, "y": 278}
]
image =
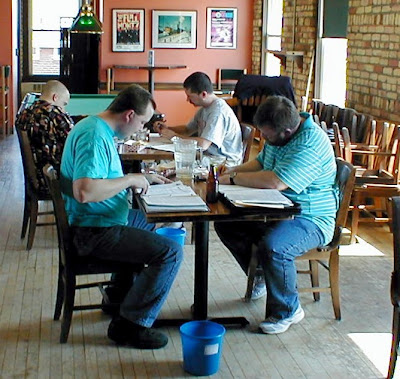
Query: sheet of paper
[
  {"x": 169, "y": 190},
  {"x": 173, "y": 197},
  {"x": 164, "y": 147},
  {"x": 254, "y": 196}
]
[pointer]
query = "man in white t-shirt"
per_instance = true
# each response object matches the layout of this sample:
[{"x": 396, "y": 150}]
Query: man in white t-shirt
[{"x": 215, "y": 126}]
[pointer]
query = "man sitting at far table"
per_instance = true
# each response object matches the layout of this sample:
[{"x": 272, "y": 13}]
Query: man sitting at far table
[
  {"x": 298, "y": 160},
  {"x": 215, "y": 125},
  {"x": 47, "y": 125},
  {"x": 96, "y": 200}
]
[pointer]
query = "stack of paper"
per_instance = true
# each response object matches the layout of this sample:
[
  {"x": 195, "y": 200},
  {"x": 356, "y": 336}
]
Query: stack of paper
[
  {"x": 173, "y": 197},
  {"x": 254, "y": 197}
]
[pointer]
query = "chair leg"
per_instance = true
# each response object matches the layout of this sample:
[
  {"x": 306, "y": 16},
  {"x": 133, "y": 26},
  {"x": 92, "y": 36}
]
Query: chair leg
[
  {"x": 314, "y": 276},
  {"x": 395, "y": 342},
  {"x": 251, "y": 273},
  {"x": 355, "y": 216},
  {"x": 60, "y": 294},
  {"x": 32, "y": 223},
  {"x": 25, "y": 218},
  {"x": 334, "y": 283},
  {"x": 69, "y": 299}
]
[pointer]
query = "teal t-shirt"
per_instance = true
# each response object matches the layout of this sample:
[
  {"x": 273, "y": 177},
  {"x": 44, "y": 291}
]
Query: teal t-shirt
[
  {"x": 90, "y": 152},
  {"x": 306, "y": 164}
]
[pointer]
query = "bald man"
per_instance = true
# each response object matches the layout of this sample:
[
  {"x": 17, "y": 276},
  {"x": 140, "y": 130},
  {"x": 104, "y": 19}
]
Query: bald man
[{"x": 47, "y": 125}]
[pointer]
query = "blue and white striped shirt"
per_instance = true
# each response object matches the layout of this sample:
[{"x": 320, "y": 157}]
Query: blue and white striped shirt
[{"x": 306, "y": 164}]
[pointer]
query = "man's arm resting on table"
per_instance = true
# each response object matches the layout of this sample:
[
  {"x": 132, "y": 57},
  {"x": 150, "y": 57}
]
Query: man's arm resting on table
[
  {"x": 87, "y": 190},
  {"x": 182, "y": 132},
  {"x": 250, "y": 174}
]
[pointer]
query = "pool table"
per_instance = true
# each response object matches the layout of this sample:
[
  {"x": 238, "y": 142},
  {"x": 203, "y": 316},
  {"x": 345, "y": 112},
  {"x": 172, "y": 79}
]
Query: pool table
[{"x": 85, "y": 105}]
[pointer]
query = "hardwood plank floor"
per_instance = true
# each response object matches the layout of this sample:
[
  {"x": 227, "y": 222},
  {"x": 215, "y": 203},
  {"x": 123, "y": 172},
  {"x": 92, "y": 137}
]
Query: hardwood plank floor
[{"x": 318, "y": 347}]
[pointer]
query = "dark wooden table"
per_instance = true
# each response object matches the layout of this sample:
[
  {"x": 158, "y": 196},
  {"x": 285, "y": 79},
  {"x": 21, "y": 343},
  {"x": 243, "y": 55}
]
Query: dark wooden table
[{"x": 218, "y": 212}]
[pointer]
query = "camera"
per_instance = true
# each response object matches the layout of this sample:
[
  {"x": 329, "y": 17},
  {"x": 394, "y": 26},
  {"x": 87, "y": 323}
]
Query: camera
[{"x": 156, "y": 117}]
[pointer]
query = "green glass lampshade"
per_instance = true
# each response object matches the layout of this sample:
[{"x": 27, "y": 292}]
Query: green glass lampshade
[{"x": 86, "y": 22}]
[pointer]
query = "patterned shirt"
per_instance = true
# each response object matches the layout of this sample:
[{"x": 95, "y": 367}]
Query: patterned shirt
[
  {"x": 306, "y": 164},
  {"x": 47, "y": 126}
]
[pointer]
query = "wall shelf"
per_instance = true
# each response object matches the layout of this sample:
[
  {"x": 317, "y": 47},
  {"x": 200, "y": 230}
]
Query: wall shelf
[{"x": 285, "y": 56}]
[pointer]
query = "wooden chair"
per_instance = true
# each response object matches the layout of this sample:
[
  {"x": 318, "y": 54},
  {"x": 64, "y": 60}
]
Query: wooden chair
[
  {"x": 71, "y": 264},
  {"x": 377, "y": 185},
  {"x": 326, "y": 256},
  {"x": 33, "y": 194},
  {"x": 395, "y": 287},
  {"x": 229, "y": 75},
  {"x": 329, "y": 114}
]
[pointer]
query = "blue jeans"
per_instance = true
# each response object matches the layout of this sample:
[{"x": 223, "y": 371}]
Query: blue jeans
[
  {"x": 136, "y": 243},
  {"x": 278, "y": 244}
]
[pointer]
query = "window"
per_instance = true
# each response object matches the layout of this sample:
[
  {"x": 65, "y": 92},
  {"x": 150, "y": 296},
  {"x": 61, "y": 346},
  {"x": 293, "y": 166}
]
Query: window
[
  {"x": 331, "y": 55},
  {"x": 273, "y": 36},
  {"x": 43, "y": 20},
  {"x": 333, "y": 71}
]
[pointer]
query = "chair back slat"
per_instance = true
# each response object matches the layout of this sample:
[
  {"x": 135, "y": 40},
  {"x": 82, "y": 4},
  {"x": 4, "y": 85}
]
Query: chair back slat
[
  {"x": 396, "y": 232},
  {"x": 338, "y": 147},
  {"x": 248, "y": 132},
  {"x": 63, "y": 228},
  {"x": 345, "y": 178},
  {"x": 27, "y": 160}
]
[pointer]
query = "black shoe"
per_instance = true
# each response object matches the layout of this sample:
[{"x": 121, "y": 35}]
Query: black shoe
[{"x": 125, "y": 332}]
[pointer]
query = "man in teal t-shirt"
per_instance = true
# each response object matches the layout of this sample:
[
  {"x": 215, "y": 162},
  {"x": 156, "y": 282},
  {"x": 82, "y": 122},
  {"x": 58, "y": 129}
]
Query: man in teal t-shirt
[
  {"x": 95, "y": 193},
  {"x": 298, "y": 160}
]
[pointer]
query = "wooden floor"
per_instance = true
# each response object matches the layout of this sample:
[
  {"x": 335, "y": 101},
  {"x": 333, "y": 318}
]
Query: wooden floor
[{"x": 318, "y": 347}]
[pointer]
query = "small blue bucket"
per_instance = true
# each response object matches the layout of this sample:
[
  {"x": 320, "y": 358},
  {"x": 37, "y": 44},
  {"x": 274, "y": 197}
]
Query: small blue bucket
[
  {"x": 177, "y": 235},
  {"x": 202, "y": 346}
]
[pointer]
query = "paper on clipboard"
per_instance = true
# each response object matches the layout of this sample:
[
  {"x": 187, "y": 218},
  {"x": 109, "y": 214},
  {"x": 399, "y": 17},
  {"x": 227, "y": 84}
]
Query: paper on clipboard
[
  {"x": 246, "y": 196},
  {"x": 173, "y": 197}
]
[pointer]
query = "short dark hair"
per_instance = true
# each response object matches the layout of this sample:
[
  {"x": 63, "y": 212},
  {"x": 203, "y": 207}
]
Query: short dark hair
[
  {"x": 278, "y": 113},
  {"x": 198, "y": 82},
  {"x": 133, "y": 97}
]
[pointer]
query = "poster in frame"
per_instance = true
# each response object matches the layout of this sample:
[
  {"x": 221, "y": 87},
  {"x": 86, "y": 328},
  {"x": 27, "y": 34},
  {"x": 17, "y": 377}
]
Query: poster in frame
[
  {"x": 128, "y": 30},
  {"x": 221, "y": 28},
  {"x": 174, "y": 29}
]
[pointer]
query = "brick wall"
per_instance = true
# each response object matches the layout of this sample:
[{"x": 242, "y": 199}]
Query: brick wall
[
  {"x": 373, "y": 83},
  {"x": 373, "y": 70},
  {"x": 257, "y": 38}
]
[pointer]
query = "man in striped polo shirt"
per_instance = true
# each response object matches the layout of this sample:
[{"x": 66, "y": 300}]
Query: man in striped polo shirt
[{"x": 298, "y": 160}]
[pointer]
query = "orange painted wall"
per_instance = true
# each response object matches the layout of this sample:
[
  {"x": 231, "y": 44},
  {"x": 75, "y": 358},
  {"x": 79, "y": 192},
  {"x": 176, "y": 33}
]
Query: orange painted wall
[
  {"x": 6, "y": 41},
  {"x": 173, "y": 103}
]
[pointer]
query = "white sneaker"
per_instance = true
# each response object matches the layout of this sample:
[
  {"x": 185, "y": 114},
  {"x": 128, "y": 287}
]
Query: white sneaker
[
  {"x": 273, "y": 326},
  {"x": 259, "y": 289}
]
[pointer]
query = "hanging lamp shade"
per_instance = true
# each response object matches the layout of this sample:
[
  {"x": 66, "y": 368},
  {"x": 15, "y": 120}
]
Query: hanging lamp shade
[{"x": 86, "y": 21}]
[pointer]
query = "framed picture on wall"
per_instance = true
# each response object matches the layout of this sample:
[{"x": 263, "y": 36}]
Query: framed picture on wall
[
  {"x": 174, "y": 29},
  {"x": 128, "y": 30},
  {"x": 221, "y": 28}
]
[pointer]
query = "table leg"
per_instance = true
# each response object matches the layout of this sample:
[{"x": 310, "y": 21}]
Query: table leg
[
  {"x": 201, "y": 271},
  {"x": 151, "y": 81},
  {"x": 200, "y": 304}
]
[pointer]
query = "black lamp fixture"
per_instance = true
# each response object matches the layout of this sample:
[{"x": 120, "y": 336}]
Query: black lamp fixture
[{"x": 86, "y": 21}]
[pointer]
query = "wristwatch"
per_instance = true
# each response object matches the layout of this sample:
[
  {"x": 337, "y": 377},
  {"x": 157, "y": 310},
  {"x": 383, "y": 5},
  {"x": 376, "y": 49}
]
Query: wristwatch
[{"x": 232, "y": 176}]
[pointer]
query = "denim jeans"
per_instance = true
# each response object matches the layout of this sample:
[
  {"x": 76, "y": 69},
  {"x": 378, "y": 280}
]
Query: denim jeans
[
  {"x": 136, "y": 243},
  {"x": 278, "y": 244}
]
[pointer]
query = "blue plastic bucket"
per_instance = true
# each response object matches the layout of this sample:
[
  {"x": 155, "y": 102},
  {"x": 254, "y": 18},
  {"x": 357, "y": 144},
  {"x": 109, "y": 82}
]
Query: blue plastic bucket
[
  {"x": 201, "y": 346},
  {"x": 177, "y": 235}
]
